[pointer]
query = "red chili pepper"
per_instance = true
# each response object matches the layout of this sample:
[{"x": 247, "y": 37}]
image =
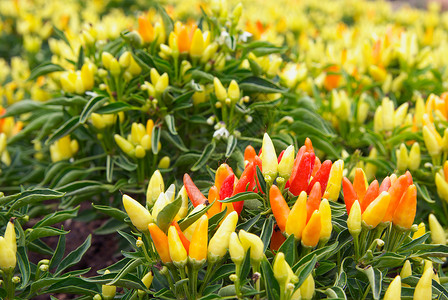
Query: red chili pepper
[
  {"x": 302, "y": 178},
  {"x": 227, "y": 187},
  {"x": 280, "y": 208},
  {"x": 309, "y": 145},
  {"x": 195, "y": 195},
  {"x": 349, "y": 194},
  {"x": 249, "y": 153},
  {"x": 277, "y": 239},
  {"x": 297, "y": 161},
  {"x": 246, "y": 179},
  {"x": 182, "y": 236},
  {"x": 371, "y": 194},
  {"x": 313, "y": 202},
  {"x": 213, "y": 197},
  {"x": 223, "y": 171},
  {"x": 321, "y": 176},
  {"x": 317, "y": 165},
  {"x": 385, "y": 185}
]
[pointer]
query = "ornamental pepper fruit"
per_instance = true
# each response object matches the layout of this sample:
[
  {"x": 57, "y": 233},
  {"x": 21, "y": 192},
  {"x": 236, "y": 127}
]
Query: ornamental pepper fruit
[
  {"x": 217, "y": 247},
  {"x": 321, "y": 176},
  {"x": 334, "y": 181},
  {"x": 182, "y": 236},
  {"x": 372, "y": 192},
  {"x": 376, "y": 211},
  {"x": 327, "y": 226},
  {"x": 300, "y": 181},
  {"x": 223, "y": 171},
  {"x": 311, "y": 232},
  {"x": 252, "y": 241},
  {"x": 193, "y": 192},
  {"x": 236, "y": 249},
  {"x": 307, "y": 288},
  {"x": 269, "y": 158},
  {"x": 160, "y": 241},
  {"x": 108, "y": 291},
  {"x": 279, "y": 207},
  {"x": 354, "y": 219},
  {"x": 198, "y": 246},
  {"x": 406, "y": 270},
  {"x": 405, "y": 212},
  {"x": 286, "y": 163},
  {"x": 8, "y": 249},
  {"x": 349, "y": 194},
  {"x": 249, "y": 154},
  {"x": 313, "y": 200},
  {"x": 213, "y": 197},
  {"x": 396, "y": 191},
  {"x": 155, "y": 187},
  {"x": 438, "y": 235},
  {"x": 296, "y": 221},
  {"x": 394, "y": 290},
  {"x": 246, "y": 178},
  {"x": 277, "y": 238},
  {"x": 139, "y": 215},
  {"x": 423, "y": 289},
  {"x": 360, "y": 184},
  {"x": 177, "y": 251},
  {"x": 226, "y": 190}
]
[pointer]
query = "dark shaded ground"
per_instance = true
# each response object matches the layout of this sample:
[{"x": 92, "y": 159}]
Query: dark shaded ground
[{"x": 102, "y": 252}]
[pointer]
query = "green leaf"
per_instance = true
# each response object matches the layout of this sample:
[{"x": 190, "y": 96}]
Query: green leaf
[
  {"x": 44, "y": 231},
  {"x": 59, "y": 252},
  {"x": 24, "y": 266},
  {"x": 80, "y": 58},
  {"x": 231, "y": 145},
  {"x": 130, "y": 266},
  {"x": 249, "y": 223},
  {"x": 375, "y": 278},
  {"x": 169, "y": 119},
  {"x": 43, "y": 69},
  {"x": 271, "y": 284},
  {"x": 305, "y": 270},
  {"x": 155, "y": 139},
  {"x": 167, "y": 214},
  {"x": 73, "y": 285},
  {"x": 115, "y": 107},
  {"x": 21, "y": 107},
  {"x": 289, "y": 249},
  {"x": 74, "y": 257},
  {"x": 57, "y": 217},
  {"x": 261, "y": 181},
  {"x": 92, "y": 106},
  {"x": 168, "y": 23},
  {"x": 259, "y": 85},
  {"x": 33, "y": 196},
  {"x": 335, "y": 292},
  {"x": 266, "y": 232},
  {"x": 205, "y": 156},
  {"x": 60, "y": 35},
  {"x": 190, "y": 219},
  {"x": 111, "y": 211},
  {"x": 242, "y": 197},
  {"x": 64, "y": 130}
]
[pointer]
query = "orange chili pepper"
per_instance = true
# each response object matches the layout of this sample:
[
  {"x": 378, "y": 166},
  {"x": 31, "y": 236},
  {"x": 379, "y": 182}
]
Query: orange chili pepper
[
  {"x": 375, "y": 212},
  {"x": 359, "y": 184},
  {"x": 145, "y": 29},
  {"x": 279, "y": 207},
  {"x": 396, "y": 192},
  {"x": 182, "y": 236},
  {"x": 317, "y": 165},
  {"x": 405, "y": 213},
  {"x": 160, "y": 241},
  {"x": 277, "y": 239},
  {"x": 249, "y": 153},
  {"x": 213, "y": 195},
  {"x": 221, "y": 174},
  {"x": 193, "y": 192},
  {"x": 309, "y": 145},
  {"x": 372, "y": 192},
  {"x": 313, "y": 200},
  {"x": 311, "y": 232}
]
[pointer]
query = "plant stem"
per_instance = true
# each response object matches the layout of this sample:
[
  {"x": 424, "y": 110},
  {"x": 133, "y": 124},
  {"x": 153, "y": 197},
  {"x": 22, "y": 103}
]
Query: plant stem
[
  {"x": 208, "y": 274},
  {"x": 184, "y": 276}
]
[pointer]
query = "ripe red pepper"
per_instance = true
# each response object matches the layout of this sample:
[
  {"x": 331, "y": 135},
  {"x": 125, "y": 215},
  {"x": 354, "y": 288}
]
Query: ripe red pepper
[
  {"x": 349, "y": 194},
  {"x": 279, "y": 159},
  {"x": 313, "y": 202},
  {"x": 195, "y": 195},
  {"x": 277, "y": 239},
  {"x": 321, "y": 176},
  {"x": 227, "y": 187},
  {"x": 309, "y": 145},
  {"x": 246, "y": 179},
  {"x": 372, "y": 192},
  {"x": 280, "y": 208},
  {"x": 317, "y": 165},
  {"x": 213, "y": 197},
  {"x": 297, "y": 161},
  {"x": 300, "y": 182}
]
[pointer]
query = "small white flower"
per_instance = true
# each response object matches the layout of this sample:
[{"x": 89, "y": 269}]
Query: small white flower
[
  {"x": 221, "y": 132},
  {"x": 244, "y": 36}
]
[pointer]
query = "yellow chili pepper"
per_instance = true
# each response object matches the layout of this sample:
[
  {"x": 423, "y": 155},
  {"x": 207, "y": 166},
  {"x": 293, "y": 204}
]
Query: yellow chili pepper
[
  {"x": 252, "y": 241},
  {"x": 420, "y": 231},
  {"x": 334, "y": 181},
  {"x": 376, "y": 210},
  {"x": 198, "y": 244},
  {"x": 147, "y": 279},
  {"x": 217, "y": 247},
  {"x": 423, "y": 290},
  {"x": 108, "y": 291},
  {"x": 286, "y": 164},
  {"x": 220, "y": 91},
  {"x": 160, "y": 241},
  {"x": 8, "y": 249},
  {"x": 269, "y": 158},
  {"x": 437, "y": 232},
  {"x": 138, "y": 214},
  {"x": 406, "y": 271},
  {"x": 307, "y": 288},
  {"x": 354, "y": 219},
  {"x": 311, "y": 232},
  {"x": 296, "y": 221},
  {"x": 236, "y": 249},
  {"x": 325, "y": 215},
  {"x": 178, "y": 253},
  {"x": 394, "y": 290}
]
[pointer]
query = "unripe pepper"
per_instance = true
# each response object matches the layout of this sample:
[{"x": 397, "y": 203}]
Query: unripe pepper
[
  {"x": 160, "y": 241},
  {"x": 406, "y": 271},
  {"x": 375, "y": 212},
  {"x": 8, "y": 249},
  {"x": 280, "y": 268},
  {"x": 147, "y": 279},
  {"x": 139, "y": 215},
  {"x": 198, "y": 245},
  {"x": 183, "y": 210},
  {"x": 296, "y": 220},
  {"x": 182, "y": 236},
  {"x": 421, "y": 230},
  {"x": 10, "y": 236},
  {"x": 334, "y": 181},
  {"x": 155, "y": 187},
  {"x": 197, "y": 44},
  {"x": 423, "y": 289},
  {"x": 354, "y": 219},
  {"x": 236, "y": 249},
  {"x": 217, "y": 247},
  {"x": 307, "y": 288},
  {"x": 108, "y": 291},
  {"x": 252, "y": 241},
  {"x": 405, "y": 212},
  {"x": 394, "y": 290},
  {"x": 327, "y": 226},
  {"x": 311, "y": 232},
  {"x": 437, "y": 232},
  {"x": 279, "y": 207},
  {"x": 178, "y": 253},
  {"x": 269, "y": 158},
  {"x": 220, "y": 91},
  {"x": 286, "y": 163},
  {"x": 193, "y": 192}
]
